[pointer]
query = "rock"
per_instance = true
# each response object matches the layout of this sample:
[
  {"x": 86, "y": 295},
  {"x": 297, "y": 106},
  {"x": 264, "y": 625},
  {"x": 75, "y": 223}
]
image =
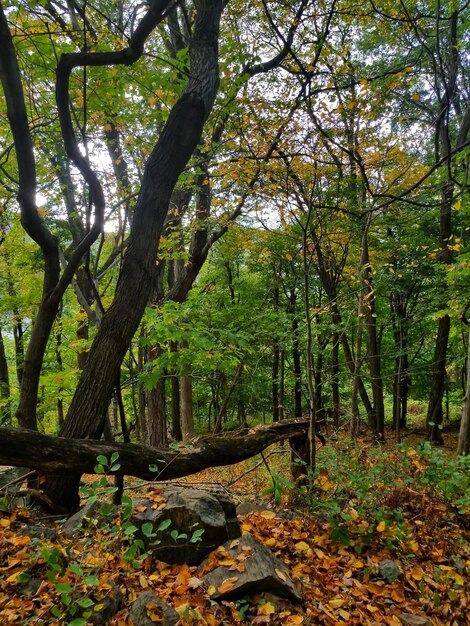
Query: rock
[
  {"x": 105, "y": 607},
  {"x": 30, "y": 588},
  {"x": 389, "y": 570},
  {"x": 209, "y": 514},
  {"x": 148, "y": 606},
  {"x": 12, "y": 474},
  {"x": 262, "y": 572},
  {"x": 250, "y": 507},
  {"x": 88, "y": 516},
  {"x": 41, "y": 532},
  {"x": 458, "y": 563},
  {"x": 414, "y": 620}
]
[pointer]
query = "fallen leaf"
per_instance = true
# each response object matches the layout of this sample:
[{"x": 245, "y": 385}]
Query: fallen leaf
[
  {"x": 267, "y": 609},
  {"x": 281, "y": 575},
  {"x": 268, "y": 514},
  {"x": 227, "y": 585},
  {"x": 336, "y": 603}
]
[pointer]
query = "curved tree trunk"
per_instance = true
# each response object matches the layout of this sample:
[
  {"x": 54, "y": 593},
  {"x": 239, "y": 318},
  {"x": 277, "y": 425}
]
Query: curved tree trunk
[{"x": 173, "y": 150}]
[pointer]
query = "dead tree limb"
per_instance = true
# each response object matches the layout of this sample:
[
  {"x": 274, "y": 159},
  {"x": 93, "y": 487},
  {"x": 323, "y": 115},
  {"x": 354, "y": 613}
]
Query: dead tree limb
[{"x": 59, "y": 455}]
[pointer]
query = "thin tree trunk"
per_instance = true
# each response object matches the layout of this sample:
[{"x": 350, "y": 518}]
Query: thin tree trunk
[
  {"x": 335, "y": 380},
  {"x": 5, "y": 410},
  {"x": 373, "y": 349},
  {"x": 175, "y": 403},
  {"x": 224, "y": 405},
  {"x": 463, "y": 447},
  {"x": 157, "y": 433},
  {"x": 282, "y": 386},
  {"x": 296, "y": 355}
]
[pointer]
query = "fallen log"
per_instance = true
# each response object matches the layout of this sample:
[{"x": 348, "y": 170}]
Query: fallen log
[{"x": 58, "y": 456}]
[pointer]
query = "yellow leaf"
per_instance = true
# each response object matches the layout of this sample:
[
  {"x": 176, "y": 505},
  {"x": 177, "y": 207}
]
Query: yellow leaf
[
  {"x": 417, "y": 573},
  {"x": 211, "y": 590},
  {"x": 302, "y": 546},
  {"x": 416, "y": 97},
  {"x": 380, "y": 527},
  {"x": 414, "y": 546},
  {"x": 336, "y": 603},
  {"x": 268, "y": 514},
  {"x": 271, "y": 542},
  {"x": 281, "y": 575},
  {"x": 267, "y": 609},
  {"x": 294, "y": 620}
]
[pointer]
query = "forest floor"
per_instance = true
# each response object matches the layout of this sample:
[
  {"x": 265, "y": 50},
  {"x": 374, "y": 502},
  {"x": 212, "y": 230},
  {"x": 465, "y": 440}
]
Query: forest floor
[{"x": 364, "y": 507}]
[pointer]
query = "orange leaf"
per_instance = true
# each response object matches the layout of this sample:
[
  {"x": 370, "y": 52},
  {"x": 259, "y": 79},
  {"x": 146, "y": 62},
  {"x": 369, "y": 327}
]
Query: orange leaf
[{"x": 227, "y": 585}]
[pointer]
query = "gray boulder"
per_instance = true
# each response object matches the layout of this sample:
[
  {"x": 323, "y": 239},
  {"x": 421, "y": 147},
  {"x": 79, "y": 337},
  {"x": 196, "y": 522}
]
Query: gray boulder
[
  {"x": 189, "y": 526},
  {"x": 148, "y": 607},
  {"x": 252, "y": 569}
]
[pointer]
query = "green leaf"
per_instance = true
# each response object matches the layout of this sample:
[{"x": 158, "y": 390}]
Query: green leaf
[
  {"x": 78, "y": 621},
  {"x": 129, "y": 529},
  {"x": 114, "y": 457},
  {"x": 102, "y": 460},
  {"x": 153, "y": 467},
  {"x": 63, "y": 588},
  {"x": 85, "y": 603},
  {"x": 147, "y": 529},
  {"x": 341, "y": 534},
  {"x": 115, "y": 467},
  {"x": 92, "y": 581},
  {"x": 164, "y": 525},
  {"x": 76, "y": 569}
]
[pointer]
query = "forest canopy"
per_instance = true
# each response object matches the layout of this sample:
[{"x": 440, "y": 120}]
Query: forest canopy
[{"x": 218, "y": 214}]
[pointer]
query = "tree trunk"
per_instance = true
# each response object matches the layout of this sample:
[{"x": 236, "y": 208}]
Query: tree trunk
[
  {"x": 373, "y": 349},
  {"x": 435, "y": 413},
  {"x": 296, "y": 355},
  {"x": 335, "y": 380},
  {"x": 168, "y": 159},
  {"x": 224, "y": 405},
  {"x": 463, "y": 447},
  {"x": 5, "y": 410},
  {"x": 175, "y": 403},
  {"x": 282, "y": 386},
  {"x": 157, "y": 434},
  {"x": 186, "y": 407}
]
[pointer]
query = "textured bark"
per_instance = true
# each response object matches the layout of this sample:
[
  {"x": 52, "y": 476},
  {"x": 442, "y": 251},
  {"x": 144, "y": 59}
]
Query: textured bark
[
  {"x": 168, "y": 159},
  {"x": 5, "y": 412},
  {"x": 373, "y": 349},
  {"x": 156, "y": 427},
  {"x": 335, "y": 380},
  {"x": 296, "y": 355},
  {"x": 463, "y": 446}
]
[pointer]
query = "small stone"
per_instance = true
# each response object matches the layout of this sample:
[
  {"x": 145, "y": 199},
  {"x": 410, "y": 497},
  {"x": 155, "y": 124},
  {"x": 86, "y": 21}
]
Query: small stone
[
  {"x": 41, "y": 532},
  {"x": 458, "y": 563},
  {"x": 148, "y": 606},
  {"x": 105, "y": 608},
  {"x": 407, "y": 619},
  {"x": 81, "y": 519},
  {"x": 389, "y": 570}
]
